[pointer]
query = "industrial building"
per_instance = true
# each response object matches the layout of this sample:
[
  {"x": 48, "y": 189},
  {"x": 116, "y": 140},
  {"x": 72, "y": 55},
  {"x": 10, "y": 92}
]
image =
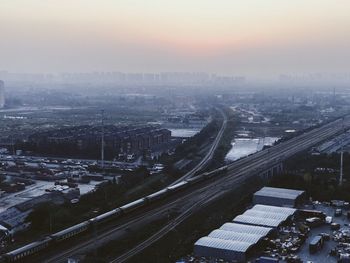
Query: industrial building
[
  {"x": 220, "y": 248},
  {"x": 2, "y": 94},
  {"x": 237, "y": 241},
  {"x": 246, "y": 229},
  {"x": 231, "y": 242},
  {"x": 264, "y": 215},
  {"x": 278, "y": 196}
]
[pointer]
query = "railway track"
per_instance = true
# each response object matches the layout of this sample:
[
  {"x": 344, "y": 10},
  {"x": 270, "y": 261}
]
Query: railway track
[
  {"x": 207, "y": 158},
  {"x": 237, "y": 175},
  {"x": 213, "y": 188}
]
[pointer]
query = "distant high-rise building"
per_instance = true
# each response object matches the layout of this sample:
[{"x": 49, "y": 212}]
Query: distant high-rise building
[{"x": 2, "y": 94}]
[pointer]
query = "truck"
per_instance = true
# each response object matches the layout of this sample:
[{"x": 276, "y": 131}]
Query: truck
[{"x": 316, "y": 244}]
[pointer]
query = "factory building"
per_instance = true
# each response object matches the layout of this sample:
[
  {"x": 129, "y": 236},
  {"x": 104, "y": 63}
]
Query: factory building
[
  {"x": 2, "y": 94},
  {"x": 278, "y": 196}
]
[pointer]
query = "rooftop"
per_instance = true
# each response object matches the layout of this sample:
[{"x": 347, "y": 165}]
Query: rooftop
[
  {"x": 223, "y": 244},
  {"x": 279, "y": 193}
]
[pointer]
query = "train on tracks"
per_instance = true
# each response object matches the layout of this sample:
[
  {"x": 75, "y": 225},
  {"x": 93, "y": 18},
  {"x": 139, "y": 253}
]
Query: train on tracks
[{"x": 21, "y": 253}]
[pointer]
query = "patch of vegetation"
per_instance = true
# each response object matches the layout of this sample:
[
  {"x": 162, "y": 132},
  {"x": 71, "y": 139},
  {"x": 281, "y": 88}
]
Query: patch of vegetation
[
  {"x": 303, "y": 172},
  {"x": 225, "y": 143},
  {"x": 192, "y": 145}
]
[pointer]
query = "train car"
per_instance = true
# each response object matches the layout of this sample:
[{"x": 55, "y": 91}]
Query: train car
[
  {"x": 178, "y": 186},
  {"x": 316, "y": 244},
  {"x": 106, "y": 216},
  {"x": 210, "y": 174},
  {"x": 206, "y": 175},
  {"x": 195, "y": 179},
  {"x": 27, "y": 250},
  {"x": 223, "y": 168},
  {"x": 71, "y": 231},
  {"x": 157, "y": 195},
  {"x": 133, "y": 205}
]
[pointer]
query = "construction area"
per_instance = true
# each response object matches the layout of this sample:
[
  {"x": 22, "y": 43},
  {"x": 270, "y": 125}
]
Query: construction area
[{"x": 286, "y": 227}]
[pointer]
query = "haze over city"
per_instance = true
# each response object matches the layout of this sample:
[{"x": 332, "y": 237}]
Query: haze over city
[
  {"x": 186, "y": 131},
  {"x": 254, "y": 38}
]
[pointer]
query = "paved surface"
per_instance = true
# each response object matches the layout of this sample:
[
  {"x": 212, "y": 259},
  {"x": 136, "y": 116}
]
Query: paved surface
[{"x": 322, "y": 256}]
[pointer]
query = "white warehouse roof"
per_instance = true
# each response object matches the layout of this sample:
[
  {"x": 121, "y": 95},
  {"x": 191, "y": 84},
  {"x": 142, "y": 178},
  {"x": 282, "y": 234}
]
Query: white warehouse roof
[
  {"x": 274, "y": 209},
  {"x": 235, "y": 246},
  {"x": 282, "y": 190},
  {"x": 266, "y": 214},
  {"x": 230, "y": 242},
  {"x": 239, "y": 228},
  {"x": 277, "y": 196},
  {"x": 234, "y": 236},
  {"x": 257, "y": 221}
]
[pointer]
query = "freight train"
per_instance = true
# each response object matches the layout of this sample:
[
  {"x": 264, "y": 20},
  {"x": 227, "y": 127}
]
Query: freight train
[{"x": 32, "y": 248}]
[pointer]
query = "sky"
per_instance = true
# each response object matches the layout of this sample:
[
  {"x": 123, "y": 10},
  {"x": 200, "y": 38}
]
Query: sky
[{"x": 250, "y": 37}]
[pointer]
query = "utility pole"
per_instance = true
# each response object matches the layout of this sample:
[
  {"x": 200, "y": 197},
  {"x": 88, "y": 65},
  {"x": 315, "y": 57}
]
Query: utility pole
[
  {"x": 102, "y": 140},
  {"x": 13, "y": 146},
  {"x": 341, "y": 168},
  {"x": 341, "y": 157}
]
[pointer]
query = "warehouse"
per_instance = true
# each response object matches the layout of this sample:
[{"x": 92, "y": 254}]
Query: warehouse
[
  {"x": 257, "y": 221},
  {"x": 278, "y": 196},
  {"x": 234, "y": 236},
  {"x": 274, "y": 209},
  {"x": 231, "y": 242},
  {"x": 263, "y": 215},
  {"x": 223, "y": 249},
  {"x": 246, "y": 229}
]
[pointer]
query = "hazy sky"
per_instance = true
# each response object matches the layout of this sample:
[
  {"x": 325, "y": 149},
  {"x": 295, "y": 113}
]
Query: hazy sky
[{"x": 222, "y": 36}]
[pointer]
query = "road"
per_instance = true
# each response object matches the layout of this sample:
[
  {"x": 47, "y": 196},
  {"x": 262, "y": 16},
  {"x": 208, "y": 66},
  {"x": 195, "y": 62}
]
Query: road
[
  {"x": 189, "y": 201},
  {"x": 207, "y": 158}
]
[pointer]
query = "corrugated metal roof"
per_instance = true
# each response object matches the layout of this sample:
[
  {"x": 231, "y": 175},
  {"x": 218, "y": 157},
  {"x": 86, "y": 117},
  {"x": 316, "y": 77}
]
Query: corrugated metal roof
[
  {"x": 266, "y": 214},
  {"x": 234, "y": 236},
  {"x": 259, "y": 221},
  {"x": 274, "y": 209},
  {"x": 239, "y": 228},
  {"x": 223, "y": 244},
  {"x": 282, "y": 190},
  {"x": 279, "y": 193}
]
